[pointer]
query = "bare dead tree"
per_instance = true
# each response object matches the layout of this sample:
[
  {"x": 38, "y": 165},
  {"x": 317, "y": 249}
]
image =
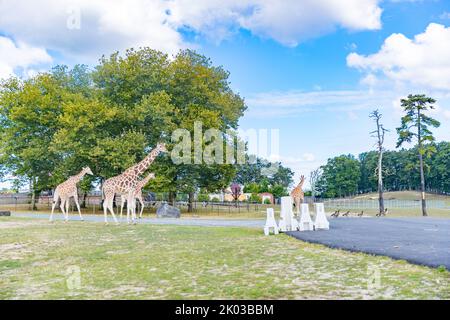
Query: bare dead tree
[
  {"x": 379, "y": 135},
  {"x": 313, "y": 179}
]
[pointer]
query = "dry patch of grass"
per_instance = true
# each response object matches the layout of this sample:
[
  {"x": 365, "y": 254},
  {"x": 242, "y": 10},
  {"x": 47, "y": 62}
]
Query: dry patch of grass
[{"x": 90, "y": 261}]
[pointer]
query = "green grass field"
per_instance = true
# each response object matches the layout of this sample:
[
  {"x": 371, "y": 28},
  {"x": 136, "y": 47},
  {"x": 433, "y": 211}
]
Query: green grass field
[{"x": 39, "y": 260}]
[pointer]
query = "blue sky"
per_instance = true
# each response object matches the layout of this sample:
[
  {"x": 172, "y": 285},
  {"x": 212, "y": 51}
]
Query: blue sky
[{"x": 312, "y": 69}]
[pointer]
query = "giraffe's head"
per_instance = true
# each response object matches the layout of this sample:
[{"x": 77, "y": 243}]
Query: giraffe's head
[
  {"x": 161, "y": 147},
  {"x": 87, "y": 170}
]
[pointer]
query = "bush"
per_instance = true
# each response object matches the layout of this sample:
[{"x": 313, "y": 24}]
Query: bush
[
  {"x": 267, "y": 201},
  {"x": 215, "y": 199},
  {"x": 203, "y": 197},
  {"x": 255, "y": 198}
]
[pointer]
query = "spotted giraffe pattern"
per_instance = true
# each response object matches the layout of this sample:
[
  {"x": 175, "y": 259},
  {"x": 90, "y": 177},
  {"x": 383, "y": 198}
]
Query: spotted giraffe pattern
[
  {"x": 125, "y": 184},
  {"x": 65, "y": 191},
  {"x": 137, "y": 193},
  {"x": 297, "y": 194}
]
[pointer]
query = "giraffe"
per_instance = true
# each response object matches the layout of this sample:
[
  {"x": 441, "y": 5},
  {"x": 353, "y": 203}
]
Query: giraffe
[
  {"x": 137, "y": 194},
  {"x": 66, "y": 190},
  {"x": 125, "y": 184},
  {"x": 297, "y": 194}
]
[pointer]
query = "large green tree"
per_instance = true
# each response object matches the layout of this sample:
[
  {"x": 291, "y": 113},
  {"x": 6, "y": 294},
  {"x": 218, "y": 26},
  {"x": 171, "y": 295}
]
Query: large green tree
[
  {"x": 29, "y": 112},
  {"x": 56, "y": 122},
  {"x": 439, "y": 169},
  {"x": 192, "y": 90},
  {"x": 415, "y": 125},
  {"x": 256, "y": 170},
  {"x": 340, "y": 176}
]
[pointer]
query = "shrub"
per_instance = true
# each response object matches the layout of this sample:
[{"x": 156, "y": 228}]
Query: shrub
[
  {"x": 255, "y": 198},
  {"x": 202, "y": 197},
  {"x": 267, "y": 201}
]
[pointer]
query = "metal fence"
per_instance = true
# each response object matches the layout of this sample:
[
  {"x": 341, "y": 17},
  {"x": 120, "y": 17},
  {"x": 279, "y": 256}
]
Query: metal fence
[
  {"x": 388, "y": 203},
  {"x": 93, "y": 203}
]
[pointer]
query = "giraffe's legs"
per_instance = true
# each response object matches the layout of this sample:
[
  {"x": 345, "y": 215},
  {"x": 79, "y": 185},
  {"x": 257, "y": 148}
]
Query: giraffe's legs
[
  {"x": 133, "y": 209},
  {"x": 128, "y": 211},
  {"x": 78, "y": 206},
  {"x": 142, "y": 207},
  {"x": 61, "y": 206},
  {"x": 55, "y": 202},
  {"x": 67, "y": 209},
  {"x": 105, "y": 209},
  {"x": 297, "y": 205},
  {"x": 108, "y": 205},
  {"x": 122, "y": 203},
  {"x": 111, "y": 209},
  {"x": 130, "y": 205}
]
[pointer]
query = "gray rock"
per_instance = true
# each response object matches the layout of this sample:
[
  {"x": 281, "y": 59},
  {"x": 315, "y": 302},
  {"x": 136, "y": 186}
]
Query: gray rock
[
  {"x": 166, "y": 211},
  {"x": 5, "y": 213}
]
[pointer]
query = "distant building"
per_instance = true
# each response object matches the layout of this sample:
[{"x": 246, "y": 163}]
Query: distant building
[
  {"x": 266, "y": 195},
  {"x": 227, "y": 195}
]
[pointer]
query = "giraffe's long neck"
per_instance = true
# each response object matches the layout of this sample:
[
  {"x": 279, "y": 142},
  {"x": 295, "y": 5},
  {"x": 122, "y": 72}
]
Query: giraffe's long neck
[
  {"x": 79, "y": 176},
  {"x": 145, "y": 181},
  {"x": 140, "y": 167}
]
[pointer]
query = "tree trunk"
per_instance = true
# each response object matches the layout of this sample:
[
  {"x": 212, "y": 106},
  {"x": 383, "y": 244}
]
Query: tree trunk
[
  {"x": 422, "y": 176},
  {"x": 172, "y": 196},
  {"x": 191, "y": 202},
  {"x": 102, "y": 199},
  {"x": 33, "y": 193},
  {"x": 83, "y": 201},
  {"x": 380, "y": 183},
  {"x": 422, "y": 186}
]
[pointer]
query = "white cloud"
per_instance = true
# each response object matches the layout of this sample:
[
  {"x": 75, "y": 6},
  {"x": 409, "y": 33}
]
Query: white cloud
[
  {"x": 352, "y": 115},
  {"x": 308, "y": 157},
  {"x": 288, "y": 22},
  {"x": 106, "y": 26},
  {"x": 20, "y": 55},
  {"x": 291, "y": 103},
  {"x": 422, "y": 62},
  {"x": 444, "y": 15},
  {"x": 301, "y": 165}
]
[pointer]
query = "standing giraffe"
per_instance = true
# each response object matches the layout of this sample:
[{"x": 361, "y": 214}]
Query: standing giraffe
[
  {"x": 66, "y": 190},
  {"x": 137, "y": 194},
  {"x": 297, "y": 194},
  {"x": 125, "y": 184}
]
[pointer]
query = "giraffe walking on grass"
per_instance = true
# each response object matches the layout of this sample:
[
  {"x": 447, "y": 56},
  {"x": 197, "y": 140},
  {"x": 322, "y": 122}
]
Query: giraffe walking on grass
[
  {"x": 297, "y": 194},
  {"x": 137, "y": 194},
  {"x": 125, "y": 184},
  {"x": 65, "y": 191}
]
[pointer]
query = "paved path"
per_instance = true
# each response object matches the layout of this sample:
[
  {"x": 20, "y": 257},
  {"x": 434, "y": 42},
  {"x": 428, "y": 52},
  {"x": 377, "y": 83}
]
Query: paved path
[
  {"x": 250, "y": 223},
  {"x": 424, "y": 241}
]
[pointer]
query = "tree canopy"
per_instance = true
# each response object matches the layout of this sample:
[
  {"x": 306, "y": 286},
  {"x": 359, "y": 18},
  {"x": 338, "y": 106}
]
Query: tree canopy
[
  {"x": 400, "y": 171},
  {"x": 108, "y": 118}
]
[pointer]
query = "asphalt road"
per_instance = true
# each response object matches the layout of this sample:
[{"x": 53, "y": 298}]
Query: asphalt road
[{"x": 424, "y": 241}]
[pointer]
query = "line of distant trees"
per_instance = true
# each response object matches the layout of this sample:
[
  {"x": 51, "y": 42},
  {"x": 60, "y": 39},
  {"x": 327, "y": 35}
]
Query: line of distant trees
[{"x": 347, "y": 175}]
